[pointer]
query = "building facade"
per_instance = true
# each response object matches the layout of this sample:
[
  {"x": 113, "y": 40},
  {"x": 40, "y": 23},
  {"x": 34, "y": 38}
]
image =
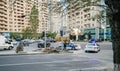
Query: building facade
[
  {"x": 43, "y": 15},
  {"x": 16, "y": 9},
  {"x": 3, "y": 16},
  {"x": 11, "y": 12},
  {"x": 87, "y": 18}
]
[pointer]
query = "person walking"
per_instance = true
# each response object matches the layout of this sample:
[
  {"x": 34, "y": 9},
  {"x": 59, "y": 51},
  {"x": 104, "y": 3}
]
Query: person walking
[{"x": 64, "y": 45}]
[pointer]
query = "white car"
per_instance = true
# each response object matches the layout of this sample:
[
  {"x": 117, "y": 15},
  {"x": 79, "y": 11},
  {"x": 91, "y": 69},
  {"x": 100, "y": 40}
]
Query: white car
[
  {"x": 92, "y": 47},
  {"x": 6, "y": 46},
  {"x": 14, "y": 42}
]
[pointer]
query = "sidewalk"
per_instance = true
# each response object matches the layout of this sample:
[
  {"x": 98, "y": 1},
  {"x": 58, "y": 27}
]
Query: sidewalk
[
  {"x": 27, "y": 51},
  {"x": 32, "y": 51}
]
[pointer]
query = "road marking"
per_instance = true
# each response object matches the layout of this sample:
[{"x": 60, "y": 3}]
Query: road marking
[{"x": 18, "y": 64}]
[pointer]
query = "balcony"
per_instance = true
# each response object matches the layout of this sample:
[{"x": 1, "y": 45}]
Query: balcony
[
  {"x": 3, "y": 15},
  {"x": 87, "y": 9},
  {"x": 1, "y": 3},
  {"x": 3, "y": 11},
  {"x": 2, "y": 19},
  {"x": 3, "y": 26},
  {"x": 3, "y": 29}
]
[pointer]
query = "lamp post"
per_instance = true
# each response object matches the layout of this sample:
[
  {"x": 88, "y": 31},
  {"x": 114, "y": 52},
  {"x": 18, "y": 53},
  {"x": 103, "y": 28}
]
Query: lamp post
[
  {"x": 61, "y": 29},
  {"x": 44, "y": 30}
]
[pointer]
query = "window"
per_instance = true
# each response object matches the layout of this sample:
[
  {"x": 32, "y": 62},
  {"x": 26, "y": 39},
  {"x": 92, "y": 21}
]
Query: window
[
  {"x": 77, "y": 13},
  {"x": 81, "y": 12},
  {"x": 81, "y": 17}
]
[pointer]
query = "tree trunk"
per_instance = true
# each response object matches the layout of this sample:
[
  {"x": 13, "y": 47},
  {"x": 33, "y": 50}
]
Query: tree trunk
[
  {"x": 114, "y": 6},
  {"x": 115, "y": 30},
  {"x": 116, "y": 67}
]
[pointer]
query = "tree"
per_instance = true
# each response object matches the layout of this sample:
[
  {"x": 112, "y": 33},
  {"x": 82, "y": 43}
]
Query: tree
[
  {"x": 27, "y": 32},
  {"x": 89, "y": 35},
  {"x": 113, "y": 15},
  {"x": 34, "y": 21},
  {"x": 15, "y": 35},
  {"x": 114, "y": 7}
]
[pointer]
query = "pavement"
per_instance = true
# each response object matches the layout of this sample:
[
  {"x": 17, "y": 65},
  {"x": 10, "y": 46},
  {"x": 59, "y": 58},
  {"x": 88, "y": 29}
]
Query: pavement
[
  {"x": 30, "y": 50},
  {"x": 27, "y": 50}
]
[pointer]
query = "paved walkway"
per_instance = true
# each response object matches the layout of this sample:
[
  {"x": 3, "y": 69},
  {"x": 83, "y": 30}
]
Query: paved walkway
[
  {"x": 31, "y": 50},
  {"x": 27, "y": 50}
]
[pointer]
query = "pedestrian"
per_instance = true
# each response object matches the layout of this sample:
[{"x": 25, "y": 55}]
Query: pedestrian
[{"x": 64, "y": 45}]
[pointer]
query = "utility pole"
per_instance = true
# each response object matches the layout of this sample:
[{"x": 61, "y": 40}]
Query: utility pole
[
  {"x": 44, "y": 30},
  {"x": 61, "y": 28}
]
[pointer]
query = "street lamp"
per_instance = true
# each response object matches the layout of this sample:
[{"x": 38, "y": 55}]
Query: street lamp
[{"x": 44, "y": 30}]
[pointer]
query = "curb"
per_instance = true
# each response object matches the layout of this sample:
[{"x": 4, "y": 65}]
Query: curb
[
  {"x": 21, "y": 54},
  {"x": 24, "y": 53}
]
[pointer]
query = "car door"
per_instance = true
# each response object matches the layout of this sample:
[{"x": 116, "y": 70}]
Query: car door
[{"x": 3, "y": 46}]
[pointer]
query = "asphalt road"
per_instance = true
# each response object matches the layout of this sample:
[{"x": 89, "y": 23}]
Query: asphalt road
[
  {"x": 49, "y": 62},
  {"x": 59, "y": 62}
]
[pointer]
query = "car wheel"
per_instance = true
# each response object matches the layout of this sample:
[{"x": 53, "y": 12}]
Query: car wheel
[
  {"x": 39, "y": 46},
  {"x": 4, "y": 49},
  {"x": 10, "y": 47},
  {"x": 86, "y": 51}
]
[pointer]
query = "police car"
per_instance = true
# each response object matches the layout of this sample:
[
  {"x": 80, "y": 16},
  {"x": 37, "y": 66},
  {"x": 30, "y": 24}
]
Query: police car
[{"x": 93, "y": 46}]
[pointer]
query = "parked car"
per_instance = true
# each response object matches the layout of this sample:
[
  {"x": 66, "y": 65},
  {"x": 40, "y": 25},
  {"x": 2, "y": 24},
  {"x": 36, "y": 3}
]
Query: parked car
[
  {"x": 92, "y": 47},
  {"x": 52, "y": 41},
  {"x": 26, "y": 42},
  {"x": 69, "y": 46},
  {"x": 5, "y": 44},
  {"x": 41, "y": 44},
  {"x": 14, "y": 42}
]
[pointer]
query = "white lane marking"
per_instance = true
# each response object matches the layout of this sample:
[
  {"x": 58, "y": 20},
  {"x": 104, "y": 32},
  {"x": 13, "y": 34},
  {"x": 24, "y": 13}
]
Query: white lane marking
[{"x": 18, "y": 64}]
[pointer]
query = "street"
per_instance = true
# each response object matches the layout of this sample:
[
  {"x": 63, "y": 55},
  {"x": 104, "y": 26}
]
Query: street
[{"x": 79, "y": 60}]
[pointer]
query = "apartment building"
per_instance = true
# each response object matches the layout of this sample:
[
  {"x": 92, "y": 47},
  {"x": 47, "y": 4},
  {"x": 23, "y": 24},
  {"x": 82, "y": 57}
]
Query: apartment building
[
  {"x": 55, "y": 18},
  {"x": 16, "y": 9},
  {"x": 85, "y": 19},
  {"x": 58, "y": 18},
  {"x": 43, "y": 15},
  {"x": 12, "y": 10},
  {"x": 3, "y": 16}
]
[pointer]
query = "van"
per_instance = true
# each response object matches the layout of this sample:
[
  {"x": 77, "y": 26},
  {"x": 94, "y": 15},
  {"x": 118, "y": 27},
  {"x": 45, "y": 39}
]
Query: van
[{"x": 5, "y": 44}]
